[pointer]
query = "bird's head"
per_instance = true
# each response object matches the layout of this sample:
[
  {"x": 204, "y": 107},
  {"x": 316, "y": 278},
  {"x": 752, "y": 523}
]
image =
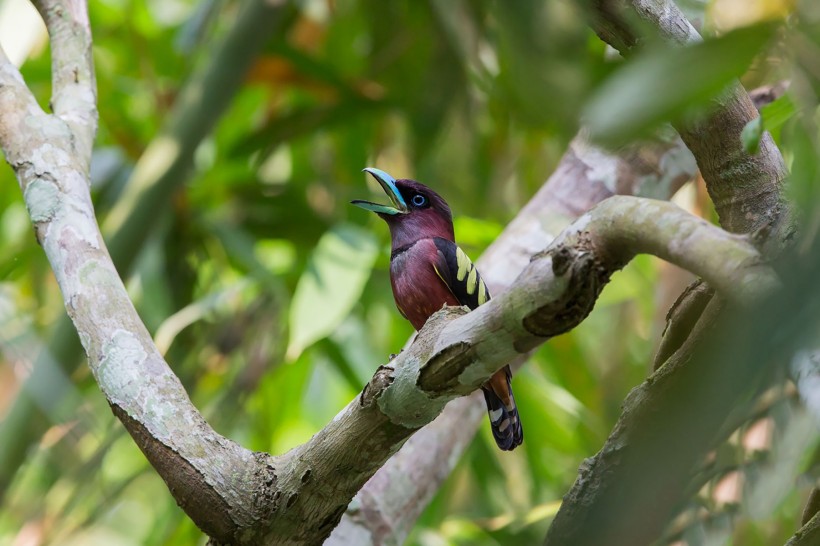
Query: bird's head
[{"x": 416, "y": 212}]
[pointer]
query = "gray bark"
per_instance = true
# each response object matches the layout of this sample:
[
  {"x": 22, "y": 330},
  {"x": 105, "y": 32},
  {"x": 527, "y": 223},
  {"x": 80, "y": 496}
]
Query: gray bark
[
  {"x": 747, "y": 193},
  {"x": 808, "y": 535},
  {"x": 161, "y": 170},
  {"x": 745, "y": 189}
]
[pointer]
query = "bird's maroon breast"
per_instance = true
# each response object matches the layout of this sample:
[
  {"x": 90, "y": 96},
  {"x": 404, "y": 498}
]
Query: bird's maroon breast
[{"x": 418, "y": 290}]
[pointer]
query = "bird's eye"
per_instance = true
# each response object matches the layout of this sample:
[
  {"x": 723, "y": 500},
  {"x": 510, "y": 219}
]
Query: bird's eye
[{"x": 418, "y": 200}]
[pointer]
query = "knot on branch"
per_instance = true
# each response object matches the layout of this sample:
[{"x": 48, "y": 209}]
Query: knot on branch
[
  {"x": 266, "y": 496},
  {"x": 561, "y": 261},
  {"x": 440, "y": 373},
  {"x": 443, "y": 369},
  {"x": 586, "y": 277},
  {"x": 374, "y": 388}
]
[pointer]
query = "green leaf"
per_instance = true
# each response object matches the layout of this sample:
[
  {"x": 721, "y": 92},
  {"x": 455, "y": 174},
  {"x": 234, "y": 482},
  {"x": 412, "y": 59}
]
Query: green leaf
[
  {"x": 667, "y": 84},
  {"x": 777, "y": 113},
  {"x": 750, "y": 135},
  {"x": 331, "y": 284}
]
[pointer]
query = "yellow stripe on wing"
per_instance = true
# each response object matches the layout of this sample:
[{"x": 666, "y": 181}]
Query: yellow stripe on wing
[
  {"x": 468, "y": 274},
  {"x": 464, "y": 264},
  {"x": 471, "y": 280},
  {"x": 482, "y": 292}
]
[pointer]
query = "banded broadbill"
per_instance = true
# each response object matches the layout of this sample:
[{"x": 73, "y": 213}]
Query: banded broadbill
[{"x": 428, "y": 270}]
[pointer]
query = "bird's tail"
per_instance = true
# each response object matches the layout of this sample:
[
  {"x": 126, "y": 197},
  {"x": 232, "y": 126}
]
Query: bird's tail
[{"x": 503, "y": 412}]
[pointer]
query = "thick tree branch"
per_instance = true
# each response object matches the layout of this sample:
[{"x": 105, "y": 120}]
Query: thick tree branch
[
  {"x": 206, "y": 473},
  {"x": 688, "y": 308},
  {"x": 202, "y": 102},
  {"x": 628, "y": 492},
  {"x": 17, "y": 104},
  {"x": 747, "y": 194},
  {"x": 454, "y": 354},
  {"x": 746, "y": 189},
  {"x": 730, "y": 263},
  {"x": 384, "y": 514}
]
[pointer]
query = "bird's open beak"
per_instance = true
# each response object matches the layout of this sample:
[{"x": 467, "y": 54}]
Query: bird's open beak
[{"x": 388, "y": 184}]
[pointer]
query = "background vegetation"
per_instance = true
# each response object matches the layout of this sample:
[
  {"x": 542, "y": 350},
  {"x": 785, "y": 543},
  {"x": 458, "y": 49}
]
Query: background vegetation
[{"x": 237, "y": 272}]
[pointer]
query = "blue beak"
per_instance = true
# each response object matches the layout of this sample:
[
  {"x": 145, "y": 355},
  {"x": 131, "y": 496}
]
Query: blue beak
[{"x": 388, "y": 184}]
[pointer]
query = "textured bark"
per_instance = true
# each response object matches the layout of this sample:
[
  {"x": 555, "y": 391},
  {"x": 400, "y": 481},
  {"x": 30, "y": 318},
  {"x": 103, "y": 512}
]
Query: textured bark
[
  {"x": 452, "y": 356},
  {"x": 385, "y": 510},
  {"x": 628, "y": 492},
  {"x": 746, "y": 189},
  {"x": 53, "y": 174},
  {"x": 747, "y": 193},
  {"x": 50, "y": 154},
  {"x": 689, "y": 306},
  {"x": 648, "y": 467},
  {"x": 162, "y": 170},
  {"x": 74, "y": 97},
  {"x": 681, "y": 319},
  {"x": 382, "y": 513},
  {"x": 808, "y": 535}
]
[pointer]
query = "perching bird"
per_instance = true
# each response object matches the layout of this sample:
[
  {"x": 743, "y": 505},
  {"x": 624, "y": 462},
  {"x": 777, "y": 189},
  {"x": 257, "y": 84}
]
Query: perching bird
[{"x": 428, "y": 270}]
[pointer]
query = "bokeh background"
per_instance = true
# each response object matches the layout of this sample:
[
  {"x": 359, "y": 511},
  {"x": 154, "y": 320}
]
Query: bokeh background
[{"x": 478, "y": 99}]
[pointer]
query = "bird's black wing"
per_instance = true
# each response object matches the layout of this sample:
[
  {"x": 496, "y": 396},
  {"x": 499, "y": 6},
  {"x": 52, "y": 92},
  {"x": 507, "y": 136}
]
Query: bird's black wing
[{"x": 460, "y": 274}]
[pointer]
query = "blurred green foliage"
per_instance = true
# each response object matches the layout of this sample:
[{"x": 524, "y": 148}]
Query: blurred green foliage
[
  {"x": 668, "y": 92},
  {"x": 271, "y": 296}
]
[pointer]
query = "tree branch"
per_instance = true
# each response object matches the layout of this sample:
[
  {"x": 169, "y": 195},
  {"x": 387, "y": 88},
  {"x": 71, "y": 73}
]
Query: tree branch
[
  {"x": 746, "y": 189},
  {"x": 747, "y": 194},
  {"x": 808, "y": 535},
  {"x": 202, "y": 102},
  {"x": 74, "y": 88},
  {"x": 384, "y": 514},
  {"x": 17, "y": 105},
  {"x": 454, "y": 354},
  {"x": 628, "y": 492},
  {"x": 206, "y": 472}
]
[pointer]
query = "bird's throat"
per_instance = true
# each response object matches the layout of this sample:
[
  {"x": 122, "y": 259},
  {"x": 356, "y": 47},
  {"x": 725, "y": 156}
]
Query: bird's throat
[{"x": 406, "y": 229}]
